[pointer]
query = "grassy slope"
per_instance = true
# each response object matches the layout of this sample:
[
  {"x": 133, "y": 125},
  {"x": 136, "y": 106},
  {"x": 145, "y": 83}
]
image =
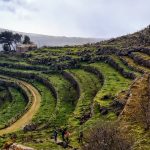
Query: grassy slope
[
  {"x": 142, "y": 55},
  {"x": 89, "y": 85},
  {"x": 113, "y": 84},
  {"x": 66, "y": 99},
  {"x": 47, "y": 104},
  {"x": 135, "y": 65},
  {"x": 11, "y": 109},
  {"x": 117, "y": 60},
  {"x": 134, "y": 121}
]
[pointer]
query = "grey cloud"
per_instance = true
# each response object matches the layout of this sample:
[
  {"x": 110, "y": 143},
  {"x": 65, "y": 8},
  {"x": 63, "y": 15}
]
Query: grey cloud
[
  {"x": 14, "y": 5},
  {"x": 92, "y": 18}
]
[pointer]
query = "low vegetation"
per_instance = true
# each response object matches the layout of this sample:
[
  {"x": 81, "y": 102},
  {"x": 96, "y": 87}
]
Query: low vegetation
[{"x": 98, "y": 92}]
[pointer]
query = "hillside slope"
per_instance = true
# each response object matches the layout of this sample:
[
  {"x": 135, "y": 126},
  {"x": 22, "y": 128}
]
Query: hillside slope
[
  {"x": 135, "y": 117},
  {"x": 81, "y": 86},
  {"x": 137, "y": 39},
  {"x": 46, "y": 40}
]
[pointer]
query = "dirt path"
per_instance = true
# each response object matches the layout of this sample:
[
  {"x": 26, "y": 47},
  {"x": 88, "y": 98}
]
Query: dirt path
[{"x": 27, "y": 117}]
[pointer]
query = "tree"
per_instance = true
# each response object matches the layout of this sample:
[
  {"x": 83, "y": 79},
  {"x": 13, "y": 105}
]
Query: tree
[
  {"x": 17, "y": 38},
  {"x": 10, "y": 40},
  {"x": 6, "y": 48},
  {"x": 7, "y": 38},
  {"x": 26, "y": 40}
]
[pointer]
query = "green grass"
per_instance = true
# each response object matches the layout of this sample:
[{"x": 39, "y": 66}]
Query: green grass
[
  {"x": 44, "y": 136},
  {"x": 66, "y": 110},
  {"x": 11, "y": 109},
  {"x": 66, "y": 99},
  {"x": 135, "y": 65},
  {"x": 89, "y": 85},
  {"x": 47, "y": 104},
  {"x": 142, "y": 55},
  {"x": 4, "y": 95},
  {"x": 117, "y": 60},
  {"x": 113, "y": 84}
]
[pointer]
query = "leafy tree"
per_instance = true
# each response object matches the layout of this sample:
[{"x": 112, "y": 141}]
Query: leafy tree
[
  {"x": 6, "y": 48},
  {"x": 7, "y": 38},
  {"x": 10, "y": 40},
  {"x": 17, "y": 38},
  {"x": 26, "y": 40}
]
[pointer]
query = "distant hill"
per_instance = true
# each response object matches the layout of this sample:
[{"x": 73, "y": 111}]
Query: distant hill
[
  {"x": 140, "y": 38},
  {"x": 45, "y": 40}
]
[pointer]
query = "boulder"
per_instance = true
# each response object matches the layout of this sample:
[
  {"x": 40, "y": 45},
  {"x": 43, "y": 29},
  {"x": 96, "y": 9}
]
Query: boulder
[
  {"x": 103, "y": 110},
  {"x": 16, "y": 146}
]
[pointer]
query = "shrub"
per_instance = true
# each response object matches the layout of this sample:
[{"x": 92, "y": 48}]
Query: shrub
[{"x": 105, "y": 136}]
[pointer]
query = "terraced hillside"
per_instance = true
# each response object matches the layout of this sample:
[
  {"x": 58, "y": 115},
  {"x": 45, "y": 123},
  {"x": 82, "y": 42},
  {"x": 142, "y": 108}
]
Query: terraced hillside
[{"x": 74, "y": 87}]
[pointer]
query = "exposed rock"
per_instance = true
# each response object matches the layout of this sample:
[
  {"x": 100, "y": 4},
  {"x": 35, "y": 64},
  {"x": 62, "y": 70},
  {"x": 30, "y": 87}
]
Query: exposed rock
[
  {"x": 103, "y": 110},
  {"x": 15, "y": 146},
  {"x": 30, "y": 127},
  {"x": 119, "y": 102},
  {"x": 85, "y": 118}
]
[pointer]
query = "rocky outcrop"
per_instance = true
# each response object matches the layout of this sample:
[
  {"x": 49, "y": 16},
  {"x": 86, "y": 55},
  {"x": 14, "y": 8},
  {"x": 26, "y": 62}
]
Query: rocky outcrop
[
  {"x": 30, "y": 127},
  {"x": 15, "y": 146},
  {"x": 119, "y": 102}
]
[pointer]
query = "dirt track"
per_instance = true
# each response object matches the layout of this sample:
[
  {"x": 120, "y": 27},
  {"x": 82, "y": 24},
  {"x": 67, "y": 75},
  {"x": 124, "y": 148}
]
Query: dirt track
[{"x": 27, "y": 117}]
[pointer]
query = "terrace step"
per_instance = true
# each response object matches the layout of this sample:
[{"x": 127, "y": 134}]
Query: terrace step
[
  {"x": 131, "y": 64},
  {"x": 141, "y": 59},
  {"x": 89, "y": 85},
  {"x": 28, "y": 115},
  {"x": 109, "y": 90}
]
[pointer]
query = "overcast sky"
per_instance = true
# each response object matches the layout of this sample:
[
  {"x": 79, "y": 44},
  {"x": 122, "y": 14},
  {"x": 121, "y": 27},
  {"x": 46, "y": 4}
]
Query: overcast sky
[{"x": 84, "y": 18}]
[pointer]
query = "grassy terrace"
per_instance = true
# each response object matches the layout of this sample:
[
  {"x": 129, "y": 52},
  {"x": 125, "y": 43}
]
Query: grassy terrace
[
  {"x": 142, "y": 55},
  {"x": 67, "y": 110},
  {"x": 47, "y": 104},
  {"x": 20, "y": 65},
  {"x": 77, "y": 99},
  {"x": 4, "y": 94},
  {"x": 117, "y": 60},
  {"x": 66, "y": 99},
  {"x": 89, "y": 85},
  {"x": 11, "y": 109},
  {"x": 48, "y": 101},
  {"x": 113, "y": 84},
  {"x": 64, "y": 104},
  {"x": 135, "y": 65}
]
